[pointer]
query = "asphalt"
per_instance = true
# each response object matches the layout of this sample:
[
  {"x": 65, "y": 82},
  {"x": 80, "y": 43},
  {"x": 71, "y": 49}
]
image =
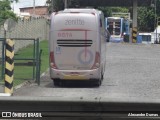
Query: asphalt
[
  {"x": 1, "y": 88},
  {"x": 132, "y": 71},
  {"x": 44, "y": 82}
]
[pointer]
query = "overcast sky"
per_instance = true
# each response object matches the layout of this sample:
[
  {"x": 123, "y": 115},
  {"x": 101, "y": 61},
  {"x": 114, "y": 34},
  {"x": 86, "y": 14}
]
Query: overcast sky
[{"x": 27, "y": 3}]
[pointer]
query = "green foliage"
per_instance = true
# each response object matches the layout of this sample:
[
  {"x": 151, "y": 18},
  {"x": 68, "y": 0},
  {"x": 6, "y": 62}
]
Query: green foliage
[
  {"x": 23, "y": 72},
  {"x": 5, "y": 11},
  {"x": 119, "y": 9},
  {"x": 146, "y": 15},
  {"x": 106, "y": 10},
  {"x": 58, "y": 5},
  {"x": 55, "y": 5},
  {"x": 48, "y": 2},
  {"x": 158, "y": 8},
  {"x": 14, "y": 0},
  {"x": 146, "y": 19},
  {"x": 73, "y": 3}
]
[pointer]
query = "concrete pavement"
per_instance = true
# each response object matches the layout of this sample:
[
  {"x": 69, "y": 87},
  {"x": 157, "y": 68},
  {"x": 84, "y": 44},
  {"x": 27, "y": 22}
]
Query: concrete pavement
[{"x": 132, "y": 71}]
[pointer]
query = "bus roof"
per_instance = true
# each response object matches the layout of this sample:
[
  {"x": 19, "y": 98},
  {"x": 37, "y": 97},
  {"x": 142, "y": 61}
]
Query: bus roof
[{"x": 84, "y": 10}]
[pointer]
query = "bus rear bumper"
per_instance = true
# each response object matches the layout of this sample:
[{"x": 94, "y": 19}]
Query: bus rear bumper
[{"x": 75, "y": 74}]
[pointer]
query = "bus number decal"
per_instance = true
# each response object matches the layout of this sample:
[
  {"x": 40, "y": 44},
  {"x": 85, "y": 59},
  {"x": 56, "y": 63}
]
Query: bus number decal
[{"x": 64, "y": 35}]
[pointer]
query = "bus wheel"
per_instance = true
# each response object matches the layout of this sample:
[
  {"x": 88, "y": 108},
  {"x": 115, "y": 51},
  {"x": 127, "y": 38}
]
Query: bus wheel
[
  {"x": 56, "y": 82},
  {"x": 102, "y": 76},
  {"x": 98, "y": 82}
]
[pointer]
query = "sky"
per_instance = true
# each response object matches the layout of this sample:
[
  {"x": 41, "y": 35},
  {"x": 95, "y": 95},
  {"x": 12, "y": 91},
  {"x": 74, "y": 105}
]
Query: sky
[{"x": 26, "y": 3}]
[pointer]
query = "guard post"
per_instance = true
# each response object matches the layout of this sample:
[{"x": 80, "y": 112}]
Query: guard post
[
  {"x": 9, "y": 66},
  {"x": 134, "y": 35},
  {"x": 134, "y": 26}
]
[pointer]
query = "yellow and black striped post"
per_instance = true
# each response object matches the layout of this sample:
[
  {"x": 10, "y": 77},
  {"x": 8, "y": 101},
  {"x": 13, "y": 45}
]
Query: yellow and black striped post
[
  {"x": 134, "y": 35},
  {"x": 9, "y": 66}
]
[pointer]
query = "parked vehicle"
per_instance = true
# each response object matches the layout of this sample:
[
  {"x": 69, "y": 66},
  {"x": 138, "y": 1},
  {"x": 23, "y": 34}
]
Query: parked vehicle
[{"x": 117, "y": 27}]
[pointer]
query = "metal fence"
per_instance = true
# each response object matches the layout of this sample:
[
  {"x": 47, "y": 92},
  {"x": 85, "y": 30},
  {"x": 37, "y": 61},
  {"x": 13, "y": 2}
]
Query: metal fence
[
  {"x": 26, "y": 60},
  {"x": 28, "y": 28},
  {"x": 26, "y": 64}
]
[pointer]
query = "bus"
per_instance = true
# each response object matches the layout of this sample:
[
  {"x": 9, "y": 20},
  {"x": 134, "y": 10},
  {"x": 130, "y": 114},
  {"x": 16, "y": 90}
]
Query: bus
[
  {"x": 77, "y": 46},
  {"x": 118, "y": 27}
]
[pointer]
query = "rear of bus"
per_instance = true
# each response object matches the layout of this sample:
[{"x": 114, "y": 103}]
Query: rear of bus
[
  {"x": 115, "y": 27},
  {"x": 74, "y": 46}
]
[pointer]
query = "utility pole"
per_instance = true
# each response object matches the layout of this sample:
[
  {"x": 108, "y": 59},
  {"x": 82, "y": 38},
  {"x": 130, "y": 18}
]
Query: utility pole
[
  {"x": 154, "y": 5},
  {"x": 33, "y": 8},
  {"x": 52, "y": 9},
  {"x": 65, "y": 4},
  {"x": 155, "y": 8}
]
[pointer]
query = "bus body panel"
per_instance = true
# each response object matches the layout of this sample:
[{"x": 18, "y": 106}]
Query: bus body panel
[
  {"x": 75, "y": 52},
  {"x": 75, "y": 43}
]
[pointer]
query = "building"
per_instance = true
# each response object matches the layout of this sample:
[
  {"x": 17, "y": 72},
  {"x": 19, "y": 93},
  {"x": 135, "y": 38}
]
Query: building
[{"x": 39, "y": 10}]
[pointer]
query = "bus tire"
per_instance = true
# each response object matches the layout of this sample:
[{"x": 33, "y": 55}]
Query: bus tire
[
  {"x": 98, "y": 82},
  {"x": 102, "y": 76},
  {"x": 56, "y": 82}
]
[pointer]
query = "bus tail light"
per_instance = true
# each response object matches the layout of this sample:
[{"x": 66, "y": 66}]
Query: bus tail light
[
  {"x": 97, "y": 61},
  {"x": 52, "y": 60}
]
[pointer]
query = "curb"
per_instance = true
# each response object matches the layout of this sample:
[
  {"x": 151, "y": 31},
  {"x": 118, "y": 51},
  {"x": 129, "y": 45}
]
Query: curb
[
  {"x": 5, "y": 94},
  {"x": 30, "y": 81},
  {"x": 24, "y": 83},
  {"x": 43, "y": 74},
  {"x": 21, "y": 85}
]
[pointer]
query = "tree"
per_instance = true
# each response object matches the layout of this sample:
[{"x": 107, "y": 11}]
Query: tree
[
  {"x": 146, "y": 19},
  {"x": 55, "y": 5},
  {"x": 146, "y": 15},
  {"x": 5, "y": 11},
  {"x": 108, "y": 10},
  {"x": 73, "y": 3}
]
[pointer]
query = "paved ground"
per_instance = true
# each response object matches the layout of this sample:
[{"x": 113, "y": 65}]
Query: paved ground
[
  {"x": 132, "y": 71},
  {"x": 1, "y": 88}
]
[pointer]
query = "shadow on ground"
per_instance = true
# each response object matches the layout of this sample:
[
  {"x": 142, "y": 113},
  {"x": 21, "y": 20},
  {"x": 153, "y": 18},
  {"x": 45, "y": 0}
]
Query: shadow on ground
[{"x": 73, "y": 84}]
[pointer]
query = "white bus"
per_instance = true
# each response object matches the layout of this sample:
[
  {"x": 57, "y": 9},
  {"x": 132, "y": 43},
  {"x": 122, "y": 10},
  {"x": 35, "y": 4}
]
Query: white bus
[{"x": 77, "y": 46}]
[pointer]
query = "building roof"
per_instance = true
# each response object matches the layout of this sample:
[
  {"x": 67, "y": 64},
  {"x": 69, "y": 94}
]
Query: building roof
[
  {"x": 35, "y": 7},
  {"x": 39, "y": 10}
]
